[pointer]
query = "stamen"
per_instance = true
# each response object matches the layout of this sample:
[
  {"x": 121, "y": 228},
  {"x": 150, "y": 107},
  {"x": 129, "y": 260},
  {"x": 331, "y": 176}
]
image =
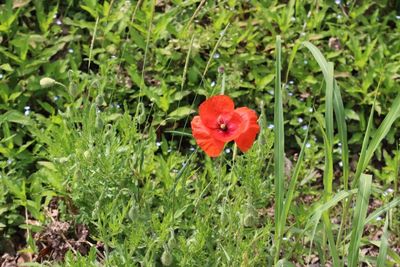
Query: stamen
[{"x": 222, "y": 126}]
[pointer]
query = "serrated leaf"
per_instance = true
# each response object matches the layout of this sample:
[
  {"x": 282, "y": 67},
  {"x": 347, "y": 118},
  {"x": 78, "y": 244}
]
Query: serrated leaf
[{"x": 181, "y": 112}]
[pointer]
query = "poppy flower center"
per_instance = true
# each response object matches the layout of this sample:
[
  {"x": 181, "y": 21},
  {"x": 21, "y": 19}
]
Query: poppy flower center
[{"x": 223, "y": 127}]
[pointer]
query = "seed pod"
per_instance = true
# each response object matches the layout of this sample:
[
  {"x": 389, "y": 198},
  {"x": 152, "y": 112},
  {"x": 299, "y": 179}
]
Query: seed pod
[
  {"x": 250, "y": 216},
  {"x": 100, "y": 100},
  {"x": 86, "y": 154},
  {"x": 47, "y": 82},
  {"x": 166, "y": 258},
  {"x": 99, "y": 124},
  {"x": 171, "y": 242},
  {"x": 249, "y": 220}
]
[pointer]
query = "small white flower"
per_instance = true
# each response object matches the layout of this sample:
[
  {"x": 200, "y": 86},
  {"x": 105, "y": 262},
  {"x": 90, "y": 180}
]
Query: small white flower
[
  {"x": 216, "y": 55},
  {"x": 299, "y": 120},
  {"x": 228, "y": 150},
  {"x": 271, "y": 126},
  {"x": 158, "y": 144},
  {"x": 308, "y": 145},
  {"x": 58, "y": 22}
]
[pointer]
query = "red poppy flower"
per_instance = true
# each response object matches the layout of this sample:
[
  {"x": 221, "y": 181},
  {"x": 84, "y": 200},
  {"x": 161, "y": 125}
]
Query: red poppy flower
[{"x": 219, "y": 122}]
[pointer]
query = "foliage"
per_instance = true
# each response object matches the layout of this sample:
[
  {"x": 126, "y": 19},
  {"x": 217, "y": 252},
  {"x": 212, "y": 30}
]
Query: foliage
[{"x": 95, "y": 100}]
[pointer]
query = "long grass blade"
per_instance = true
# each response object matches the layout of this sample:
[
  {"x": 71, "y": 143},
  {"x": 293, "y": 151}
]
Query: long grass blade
[
  {"x": 342, "y": 130},
  {"x": 327, "y": 70},
  {"x": 392, "y": 204},
  {"x": 360, "y": 213},
  {"x": 365, "y": 144},
  {"x": 279, "y": 157},
  {"x": 384, "y": 244},
  {"x": 289, "y": 195},
  {"x": 383, "y": 129}
]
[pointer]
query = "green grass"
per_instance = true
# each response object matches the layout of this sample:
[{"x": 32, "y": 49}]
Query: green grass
[{"x": 96, "y": 103}]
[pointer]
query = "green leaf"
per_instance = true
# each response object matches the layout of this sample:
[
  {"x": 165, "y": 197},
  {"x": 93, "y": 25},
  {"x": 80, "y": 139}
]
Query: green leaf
[
  {"x": 360, "y": 213},
  {"x": 181, "y": 112},
  {"x": 384, "y": 244},
  {"x": 279, "y": 143},
  {"x": 16, "y": 117}
]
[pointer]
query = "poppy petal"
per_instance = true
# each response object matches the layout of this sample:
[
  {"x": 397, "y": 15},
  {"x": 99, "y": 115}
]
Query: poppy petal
[
  {"x": 213, "y": 107},
  {"x": 233, "y": 124},
  {"x": 250, "y": 128},
  {"x": 201, "y": 133}
]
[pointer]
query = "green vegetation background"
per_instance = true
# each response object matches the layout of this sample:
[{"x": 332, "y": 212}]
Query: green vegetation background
[{"x": 110, "y": 138}]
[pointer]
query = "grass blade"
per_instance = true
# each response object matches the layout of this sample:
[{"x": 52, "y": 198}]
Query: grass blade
[
  {"x": 327, "y": 71},
  {"x": 342, "y": 129},
  {"x": 365, "y": 144},
  {"x": 384, "y": 244},
  {"x": 383, "y": 129},
  {"x": 359, "y": 218},
  {"x": 289, "y": 195},
  {"x": 392, "y": 204},
  {"x": 279, "y": 157}
]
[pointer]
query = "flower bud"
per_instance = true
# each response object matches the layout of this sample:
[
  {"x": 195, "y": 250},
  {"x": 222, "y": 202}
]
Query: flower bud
[
  {"x": 86, "y": 154},
  {"x": 47, "y": 82},
  {"x": 249, "y": 220},
  {"x": 166, "y": 258},
  {"x": 171, "y": 242},
  {"x": 99, "y": 124},
  {"x": 112, "y": 49},
  {"x": 100, "y": 100},
  {"x": 250, "y": 216}
]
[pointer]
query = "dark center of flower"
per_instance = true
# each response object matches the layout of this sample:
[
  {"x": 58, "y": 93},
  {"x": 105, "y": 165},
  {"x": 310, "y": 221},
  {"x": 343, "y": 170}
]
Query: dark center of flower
[{"x": 223, "y": 127}]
